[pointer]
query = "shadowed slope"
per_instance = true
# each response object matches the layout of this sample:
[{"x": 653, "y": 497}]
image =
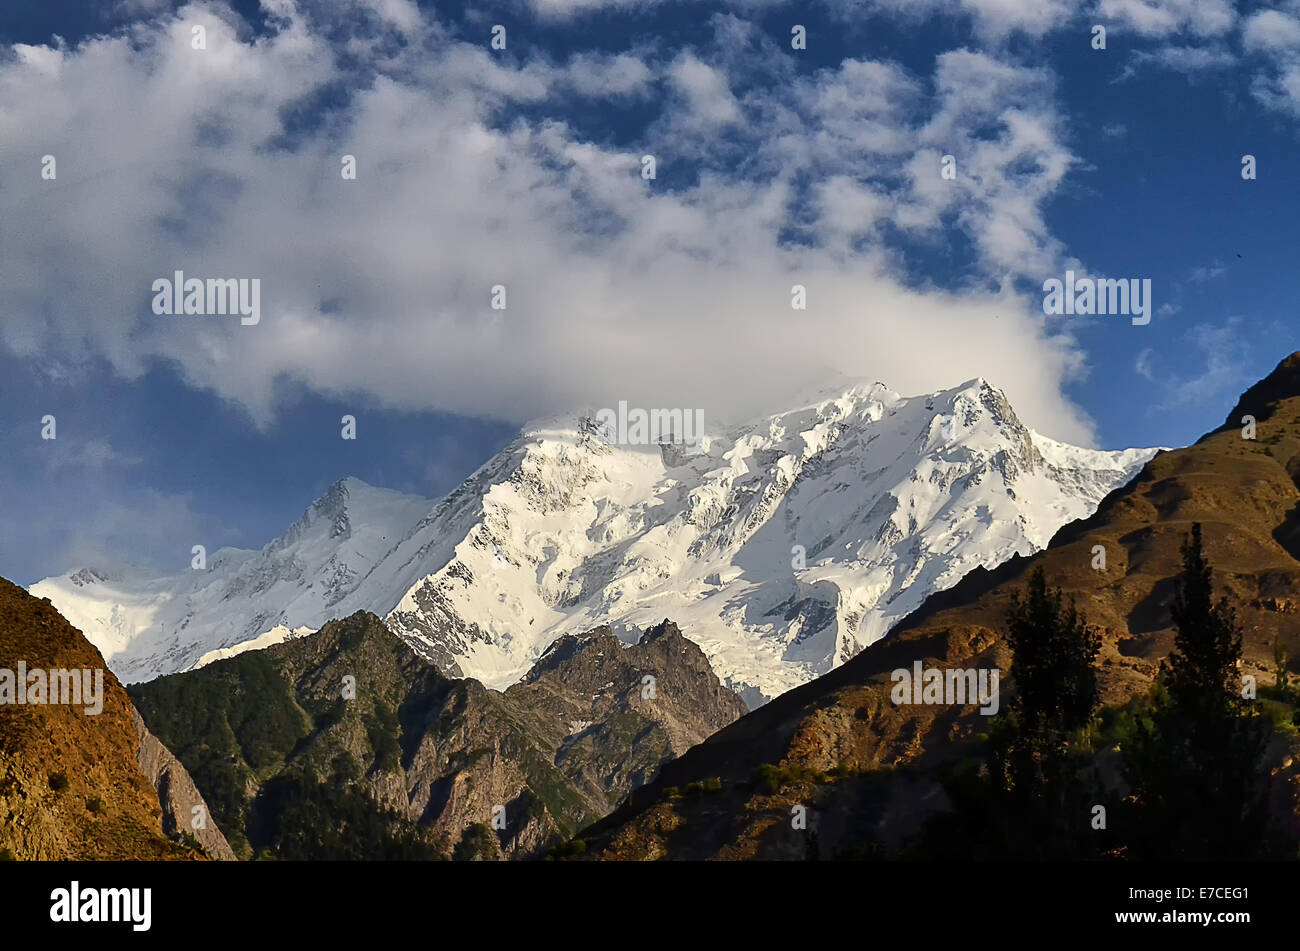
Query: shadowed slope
[{"x": 883, "y": 759}]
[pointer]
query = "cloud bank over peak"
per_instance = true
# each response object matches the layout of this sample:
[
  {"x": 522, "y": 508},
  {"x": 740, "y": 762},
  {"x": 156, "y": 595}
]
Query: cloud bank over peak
[{"x": 472, "y": 173}]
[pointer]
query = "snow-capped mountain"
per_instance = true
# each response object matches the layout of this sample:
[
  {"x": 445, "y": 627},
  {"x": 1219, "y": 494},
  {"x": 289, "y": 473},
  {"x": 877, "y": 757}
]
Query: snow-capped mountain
[
  {"x": 147, "y": 626},
  {"x": 781, "y": 547}
]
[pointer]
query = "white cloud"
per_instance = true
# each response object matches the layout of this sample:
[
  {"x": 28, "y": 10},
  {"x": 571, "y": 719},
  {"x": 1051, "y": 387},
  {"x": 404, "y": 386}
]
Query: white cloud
[
  {"x": 1186, "y": 59},
  {"x": 1226, "y": 353},
  {"x": 1161, "y": 18},
  {"x": 1190, "y": 36},
  {"x": 94, "y": 455},
  {"x": 709, "y": 99},
  {"x": 1275, "y": 36},
  {"x": 1271, "y": 30},
  {"x": 991, "y": 20},
  {"x": 672, "y": 292},
  {"x": 564, "y": 9},
  {"x": 1004, "y": 177},
  {"x": 568, "y": 9},
  {"x": 1143, "y": 364},
  {"x": 618, "y": 75},
  {"x": 403, "y": 14},
  {"x": 1033, "y": 17}
]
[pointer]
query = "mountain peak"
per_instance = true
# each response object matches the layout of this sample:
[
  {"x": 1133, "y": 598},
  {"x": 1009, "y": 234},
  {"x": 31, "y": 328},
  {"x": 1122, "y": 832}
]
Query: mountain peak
[
  {"x": 1260, "y": 400},
  {"x": 664, "y": 628},
  {"x": 350, "y": 498},
  {"x": 339, "y": 492},
  {"x": 1289, "y": 366},
  {"x": 783, "y": 548}
]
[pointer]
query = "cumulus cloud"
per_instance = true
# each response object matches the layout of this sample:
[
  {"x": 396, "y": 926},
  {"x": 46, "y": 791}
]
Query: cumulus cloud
[
  {"x": 598, "y": 76},
  {"x": 707, "y": 95},
  {"x": 1274, "y": 37},
  {"x": 225, "y": 162},
  {"x": 1162, "y": 18},
  {"x": 1271, "y": 30}
]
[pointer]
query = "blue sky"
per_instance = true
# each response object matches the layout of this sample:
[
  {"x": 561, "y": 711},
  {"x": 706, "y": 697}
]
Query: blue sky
[{"x": 522, "y": 167}]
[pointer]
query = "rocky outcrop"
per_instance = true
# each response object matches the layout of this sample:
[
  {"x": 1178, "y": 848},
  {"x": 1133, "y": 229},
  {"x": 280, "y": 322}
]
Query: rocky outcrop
[
  {"x": 347, "y": 744},
  {"x": 183, "y": 808}
]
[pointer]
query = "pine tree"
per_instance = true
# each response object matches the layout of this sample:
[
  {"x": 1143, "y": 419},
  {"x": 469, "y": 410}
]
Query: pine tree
[
  {"x": 1054, "y": 656},
  {"x": 1193, "y": 766},
  {"x": 1042, "y": 798},
  {"x": 1202, "y": 670},
  {"x": 1034, "y": 800}
]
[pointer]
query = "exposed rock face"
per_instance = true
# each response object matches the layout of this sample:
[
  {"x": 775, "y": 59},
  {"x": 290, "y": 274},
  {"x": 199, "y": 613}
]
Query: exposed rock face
[
  {"x": 867, "y": 769},
  {"x": 347, "y": 744},
  {"x": 71, "y": 786},
  {"x": 581, "y": 685},
  {"x": 178, "y": 796}
]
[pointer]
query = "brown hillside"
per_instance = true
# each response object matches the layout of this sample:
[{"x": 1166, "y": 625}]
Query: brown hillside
[
  {"x": 1245, "y": 493},
  {"x": 107, "y": 809}
]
